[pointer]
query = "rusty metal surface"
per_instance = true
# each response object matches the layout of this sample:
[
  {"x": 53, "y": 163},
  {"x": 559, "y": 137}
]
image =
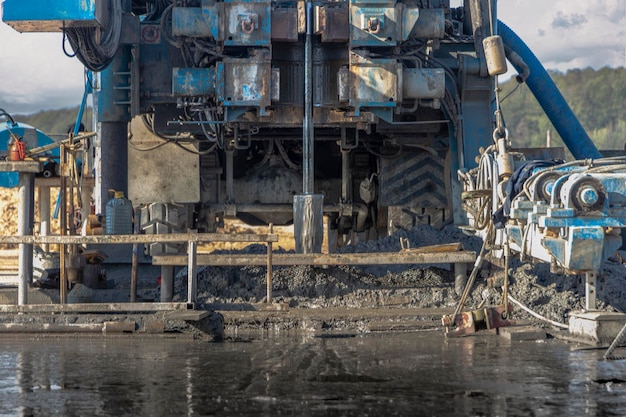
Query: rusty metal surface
[
  {"x": 373, "y": 82},
  {"x": 285, "y": 25},
  {"x": 288, "y": 259},
  {"x": 333, "y": 24},
  {"x": 469, "y": 322}
]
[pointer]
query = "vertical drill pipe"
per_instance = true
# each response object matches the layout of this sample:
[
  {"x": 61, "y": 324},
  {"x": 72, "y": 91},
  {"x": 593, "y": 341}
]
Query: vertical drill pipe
[{"x": 307, "y": 126}]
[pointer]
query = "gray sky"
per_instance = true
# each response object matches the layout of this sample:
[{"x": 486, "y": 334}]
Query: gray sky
[{"x": 36, "y": 75}]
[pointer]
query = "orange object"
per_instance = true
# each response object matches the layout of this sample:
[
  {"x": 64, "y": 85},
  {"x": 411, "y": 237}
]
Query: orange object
[{"x": 17, "y": 151}]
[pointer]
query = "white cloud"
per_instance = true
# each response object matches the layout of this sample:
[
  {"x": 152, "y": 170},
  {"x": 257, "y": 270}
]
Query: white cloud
[
  {"x": 35, "y": 74},
  {"x": 567, "y": 34}
]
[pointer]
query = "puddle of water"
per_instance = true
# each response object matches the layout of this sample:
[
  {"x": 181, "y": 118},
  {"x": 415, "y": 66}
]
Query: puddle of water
[{"x": 372, "y": 374}]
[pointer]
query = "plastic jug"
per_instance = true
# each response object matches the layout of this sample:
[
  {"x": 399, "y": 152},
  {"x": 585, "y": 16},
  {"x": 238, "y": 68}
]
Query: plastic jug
[{"x": 119, "y": 215}]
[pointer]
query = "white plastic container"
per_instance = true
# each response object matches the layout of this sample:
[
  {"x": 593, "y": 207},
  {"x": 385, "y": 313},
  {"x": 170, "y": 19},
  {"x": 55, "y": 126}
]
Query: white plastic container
[{"x": 119, "y": 215}]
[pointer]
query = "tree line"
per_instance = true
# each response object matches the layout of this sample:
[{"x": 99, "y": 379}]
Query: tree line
[
  {"x": 597, "y": 98},
  {"x": 55, "y": 123}
]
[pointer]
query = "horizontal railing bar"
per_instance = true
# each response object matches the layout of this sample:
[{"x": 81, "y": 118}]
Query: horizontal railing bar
[{"x": 150, "y": 238}]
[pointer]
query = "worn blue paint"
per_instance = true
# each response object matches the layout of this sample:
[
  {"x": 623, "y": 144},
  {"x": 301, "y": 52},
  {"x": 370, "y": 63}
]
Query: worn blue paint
[
  {"x": 195, "y": 22},
  {"x": 582, "y": 249},
  {"x": 193, "y": 81}
]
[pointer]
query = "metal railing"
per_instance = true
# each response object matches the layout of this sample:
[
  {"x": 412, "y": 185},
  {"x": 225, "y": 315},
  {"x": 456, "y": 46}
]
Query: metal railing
[{"x": 192, "y": 239}]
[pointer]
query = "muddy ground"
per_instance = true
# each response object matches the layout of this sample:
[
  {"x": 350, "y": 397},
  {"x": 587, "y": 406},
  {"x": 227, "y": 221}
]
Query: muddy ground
[{"x": 424, "y": 286}]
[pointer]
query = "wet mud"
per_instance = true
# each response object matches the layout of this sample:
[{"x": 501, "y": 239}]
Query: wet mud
[{"x": 340, "y": 374}]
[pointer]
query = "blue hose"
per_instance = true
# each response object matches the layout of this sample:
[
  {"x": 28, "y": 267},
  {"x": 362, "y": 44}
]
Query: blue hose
[{"x": 551, "y": 99}]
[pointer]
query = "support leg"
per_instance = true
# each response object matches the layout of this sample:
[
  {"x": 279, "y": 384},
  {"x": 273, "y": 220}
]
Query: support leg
[
  {"x": 590, "y": 290},
  {"x": 44, "y": 213},
  {"x": 167, "y": 283},
  {"x": 460, "y": 277},
  {"x": 25, "y": 218}
]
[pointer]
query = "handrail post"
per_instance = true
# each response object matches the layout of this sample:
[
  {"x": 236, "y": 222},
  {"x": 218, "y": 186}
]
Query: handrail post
[{"x": 269, "y": 266}]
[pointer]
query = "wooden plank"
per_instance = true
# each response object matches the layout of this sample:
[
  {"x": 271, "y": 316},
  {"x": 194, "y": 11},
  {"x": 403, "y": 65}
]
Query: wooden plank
[
  {"x": 32, "y": 167},
  {"x": 320, "y": 259},
  {"x": 161, "y": 238},
  {"x": 51, "y": 328},
  {"x": 92, "y": 307},
  {"x": 187, "y": 315}
]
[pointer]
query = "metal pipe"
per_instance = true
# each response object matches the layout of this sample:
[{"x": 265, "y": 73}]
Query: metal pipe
[
  {"x": 113, "y": 167},
  {"x": 346, "y": 178},
  {"x": 134, "y": 270},
  {"x": 44, "y": 213},
  {"x": 230, "y": 160},
  {"x": 307, "y": 127}
]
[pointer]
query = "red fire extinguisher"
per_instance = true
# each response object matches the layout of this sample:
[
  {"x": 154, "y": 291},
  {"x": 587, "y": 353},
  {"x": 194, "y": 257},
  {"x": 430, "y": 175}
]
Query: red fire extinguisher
[{"x": 17, "y": 149}]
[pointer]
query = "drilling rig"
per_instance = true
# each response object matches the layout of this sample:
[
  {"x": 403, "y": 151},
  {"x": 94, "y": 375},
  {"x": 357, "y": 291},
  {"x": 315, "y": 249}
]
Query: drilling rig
[{"x": 375, "y": 114}]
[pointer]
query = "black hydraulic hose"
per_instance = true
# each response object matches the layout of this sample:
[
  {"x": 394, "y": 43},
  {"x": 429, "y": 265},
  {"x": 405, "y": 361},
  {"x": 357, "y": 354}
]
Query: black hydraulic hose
[{"x": 550, "y": 98}]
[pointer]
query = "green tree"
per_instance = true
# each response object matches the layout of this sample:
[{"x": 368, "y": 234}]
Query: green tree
[{"x": 597, "y": 98}]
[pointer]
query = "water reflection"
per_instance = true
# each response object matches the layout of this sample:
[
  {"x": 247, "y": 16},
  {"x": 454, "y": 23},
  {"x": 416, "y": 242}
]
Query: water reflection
[{"x": 372, "y": 374}]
